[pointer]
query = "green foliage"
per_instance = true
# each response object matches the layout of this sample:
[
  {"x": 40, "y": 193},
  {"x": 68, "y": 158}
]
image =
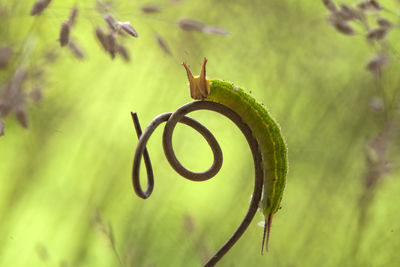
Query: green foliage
[{"x": 66, "y": 197}]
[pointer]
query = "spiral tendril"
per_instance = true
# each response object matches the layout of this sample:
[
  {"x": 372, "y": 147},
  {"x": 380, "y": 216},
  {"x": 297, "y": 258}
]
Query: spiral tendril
[{"x": 171, "y": 120}]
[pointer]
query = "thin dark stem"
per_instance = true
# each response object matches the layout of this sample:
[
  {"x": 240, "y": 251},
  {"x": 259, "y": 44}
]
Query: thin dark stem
[
  {"x": 180, "y": 116},
  {"x": 149, "y": 169}
]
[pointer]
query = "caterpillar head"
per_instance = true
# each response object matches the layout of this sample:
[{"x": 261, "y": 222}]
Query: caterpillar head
[{"x": 199, "y": 85}]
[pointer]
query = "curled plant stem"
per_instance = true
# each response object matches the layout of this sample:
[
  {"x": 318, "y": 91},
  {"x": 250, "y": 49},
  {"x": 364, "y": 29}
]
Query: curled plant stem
[{"x": 180, "y": 116}]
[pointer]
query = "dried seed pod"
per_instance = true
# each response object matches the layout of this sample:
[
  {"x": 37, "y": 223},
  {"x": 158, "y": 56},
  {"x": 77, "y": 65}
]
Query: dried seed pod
[
  {"x": 111, "y": 44},
  {"x": 215, "y": 30},
  {"x": 72, "y": 16},
  {"x": 123, "y": 52},
  {"x": 22, "y": 117},
  {"x": 127, "y": 27},
  {"x": 151, "y": 8},
  {"x": 376, "y": 34},
  {"x": 39, "y": 6},
  {"x": 330, "y": 5},
  {"x": 110, "y": 21},
  {"x": 64, "y": 34},
  {"x": 102, "y": 38},
  {"x": 76, "y": 50},
  {"x": 5, "y": 55},
  {"x": 1, "y": 128},
  {"x": 375, "y": 64},
  {"x": 163, "y": 45},
  {"x": 343, "y": 27},
  {"x": 190, "y": 25},
  {"x": 384, "y": 23}
]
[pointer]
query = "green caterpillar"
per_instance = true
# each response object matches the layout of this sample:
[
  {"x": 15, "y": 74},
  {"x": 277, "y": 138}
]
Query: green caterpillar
[{"x": 264, "y": 128}]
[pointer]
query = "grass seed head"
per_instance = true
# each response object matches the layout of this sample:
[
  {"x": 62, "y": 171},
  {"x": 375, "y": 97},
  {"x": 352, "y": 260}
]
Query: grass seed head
[
  {"x": 384, "y": 23},
  {"x": 39, "y": 6},
  {"x": 375, "y": 64},
  {"x": 36, "y": 94},
  {"x": 76, "y": 50},
  {"x": 105, "y": 229},
  {"x": 22, "y": 117},
  {"x": 5, "y": 107},
  {"x": 127, "y": 27},
  {"x": 5, "y": 104},
  {"x": 330, "y": 5},
  {"x": 64, "y": 33},
  {"x": 151, "y": 8},
  {"x": 51, "y": 55},
  {"x": 103, "y": 6},
  {"x": 163, "y": 45},
  {"x": 72, "y": 16},
  {"x": 123, "y": 52},
  {"x": 1, "y": 128},
  {"x": 102, "y": 38},
  {"x": 375, "y": 4},
  {"x": 364, "y": 5},
  {"x": 346, "y": 13},
  {"x": 343, "y": 27},
  {"x": 377, "y": 34},
  {"x": 111, "y": 44},
  {"x": 369, "y": 6},
  {"x": 5, "y": 56},
  {"x": 189, "y": 224},
  {"x": 110, "y": 21},
  {"x": 191, "y": 25},
  {"x": 215, "y": 30}
]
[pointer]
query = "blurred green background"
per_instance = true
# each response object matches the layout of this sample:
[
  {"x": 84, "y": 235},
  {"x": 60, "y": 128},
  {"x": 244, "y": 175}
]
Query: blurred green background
[{"x": 66, "y": 197}]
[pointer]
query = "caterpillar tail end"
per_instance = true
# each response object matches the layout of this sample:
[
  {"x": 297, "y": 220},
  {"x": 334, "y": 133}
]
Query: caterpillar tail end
[
  {"x": 198, "y": 85},
  {"x": 267, "y": 230}
]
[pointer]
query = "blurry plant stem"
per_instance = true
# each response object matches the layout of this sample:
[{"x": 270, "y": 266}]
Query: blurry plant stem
[
  {"x": 118, "y": 257},
  {"x": 375, "y": 155},
  {"x": 29, "y": 43},
  {"x": 112, "y": 242},
  {"x": 107, "y": 231}
]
